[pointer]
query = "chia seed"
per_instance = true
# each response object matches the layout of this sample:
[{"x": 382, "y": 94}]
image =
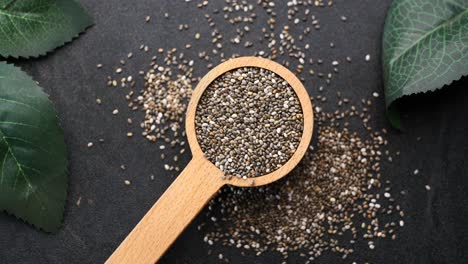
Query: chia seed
[{"x": 249, "y": 122}]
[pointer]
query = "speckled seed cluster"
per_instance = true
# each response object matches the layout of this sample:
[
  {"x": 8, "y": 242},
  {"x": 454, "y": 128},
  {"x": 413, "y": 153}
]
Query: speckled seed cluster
[
  {"x": 249, "y": 122},
  {"x": 333, "y": 200}
]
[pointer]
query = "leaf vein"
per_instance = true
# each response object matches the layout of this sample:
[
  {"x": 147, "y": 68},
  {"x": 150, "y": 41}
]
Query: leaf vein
[
  {"x": 445, "y": 23},
  {"x": 20, "y": 103},
  {"x": 19, "y": 124},
  {"x": 3, "y": 166},
  {"x": 28, "y": 142},
  {"x": 20, "y": 169}
]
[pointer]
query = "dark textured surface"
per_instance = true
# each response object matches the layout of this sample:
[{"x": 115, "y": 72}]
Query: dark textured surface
[{"x": 436, "y": 221}]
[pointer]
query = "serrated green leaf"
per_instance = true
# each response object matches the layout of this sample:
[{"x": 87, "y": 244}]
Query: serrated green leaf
[
  {"x": 425, "y": 46},
  {"x": 30, "y": 28},
  {"x": 33, "y": 162}
]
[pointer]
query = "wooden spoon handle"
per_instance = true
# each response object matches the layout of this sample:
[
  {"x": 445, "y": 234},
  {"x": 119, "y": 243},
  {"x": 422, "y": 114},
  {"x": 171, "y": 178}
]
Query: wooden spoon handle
[{"x": 171, "y": 214}]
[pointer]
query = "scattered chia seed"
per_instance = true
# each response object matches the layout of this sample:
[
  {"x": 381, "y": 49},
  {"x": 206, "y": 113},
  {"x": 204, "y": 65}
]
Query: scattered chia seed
[
  {"x": 163, "y": 99},
  {"x": 329, "y": 202}
]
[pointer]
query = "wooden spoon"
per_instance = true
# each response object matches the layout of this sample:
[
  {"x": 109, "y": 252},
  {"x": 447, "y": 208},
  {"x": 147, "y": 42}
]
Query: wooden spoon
[{"x": 201, "y": 179}]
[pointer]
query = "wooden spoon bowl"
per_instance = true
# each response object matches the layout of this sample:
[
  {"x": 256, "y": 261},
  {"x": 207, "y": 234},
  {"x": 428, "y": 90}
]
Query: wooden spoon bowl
[
  {"x": 290, "y": 78},
  {"x": 201, "y": 179}
]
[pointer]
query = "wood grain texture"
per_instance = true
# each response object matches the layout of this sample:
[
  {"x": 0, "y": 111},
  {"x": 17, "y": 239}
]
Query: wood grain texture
[{"x": 200, "y": 180}]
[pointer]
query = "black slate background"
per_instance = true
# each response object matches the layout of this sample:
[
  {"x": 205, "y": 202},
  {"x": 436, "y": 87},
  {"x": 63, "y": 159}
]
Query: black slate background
[{"x": 436, "y": 229}]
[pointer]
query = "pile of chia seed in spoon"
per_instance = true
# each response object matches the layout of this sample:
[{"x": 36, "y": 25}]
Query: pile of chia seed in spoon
[{"x": 249, "y": 122}]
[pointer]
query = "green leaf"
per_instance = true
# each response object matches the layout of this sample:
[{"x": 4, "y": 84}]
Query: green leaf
[
  {"x": 30, "y": 28},
  {"x": 33, "y": 162},
  {"x": 425, "y": 46}
]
